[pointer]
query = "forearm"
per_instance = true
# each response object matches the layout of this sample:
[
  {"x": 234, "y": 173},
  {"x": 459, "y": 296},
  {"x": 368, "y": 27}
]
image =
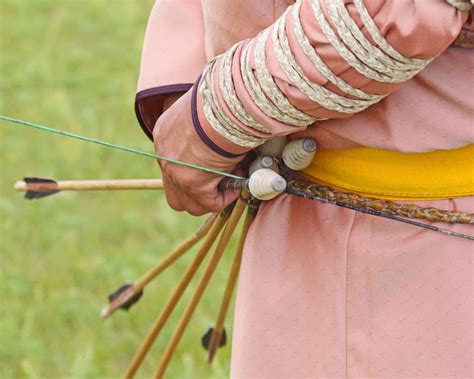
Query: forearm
[{"x": 320, "y": 60}]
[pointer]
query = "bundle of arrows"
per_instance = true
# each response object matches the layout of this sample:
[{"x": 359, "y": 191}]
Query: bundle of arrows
[
  {"x": 216, "y": 230},
  {"x": 271, "y": 172}
]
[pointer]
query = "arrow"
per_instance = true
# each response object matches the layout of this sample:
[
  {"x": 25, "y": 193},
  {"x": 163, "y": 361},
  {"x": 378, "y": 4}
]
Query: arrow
[
  {"x": 216, "y": 337},
  {"x": 201, "y": 286},
  {"x": 183, "y": 283},
  {"x": 37, "y": 188},
  {"x": 128, "y": 294}
]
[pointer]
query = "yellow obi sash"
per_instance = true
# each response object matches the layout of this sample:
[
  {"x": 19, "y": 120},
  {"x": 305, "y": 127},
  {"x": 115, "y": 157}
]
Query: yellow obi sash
[{"x": 386, "y": 174}]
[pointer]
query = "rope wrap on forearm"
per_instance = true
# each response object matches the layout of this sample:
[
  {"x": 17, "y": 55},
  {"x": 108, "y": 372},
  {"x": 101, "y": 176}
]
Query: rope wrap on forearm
[
  {"x": 462, "y": 5},
  {"x": 375, "y": 59}
]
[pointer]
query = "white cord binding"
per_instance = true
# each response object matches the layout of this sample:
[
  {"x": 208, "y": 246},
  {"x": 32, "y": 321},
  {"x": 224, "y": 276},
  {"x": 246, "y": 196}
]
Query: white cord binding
[
  {"x": 462, "y": 5},
  {"x": 381, "y": 63}
]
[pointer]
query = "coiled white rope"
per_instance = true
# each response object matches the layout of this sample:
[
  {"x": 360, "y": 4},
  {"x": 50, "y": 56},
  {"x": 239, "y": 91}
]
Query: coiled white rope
[
  {"x": 462, "y": 5},
  {"x": 381, "y": 63},
  {"x": 270, "y": 87},
  {"x": 229, "y": 94},
  {"x": 312, "y": 54}
]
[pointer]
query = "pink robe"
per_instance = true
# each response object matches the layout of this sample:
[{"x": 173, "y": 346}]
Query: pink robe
[{"x": 324, "y": 291}]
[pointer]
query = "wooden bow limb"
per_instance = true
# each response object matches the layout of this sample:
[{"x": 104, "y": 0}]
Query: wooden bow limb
[
  {"x": 218, "y": 329},
  {"x": 40, "y": 187},
  {"x": 128, "y": 294},
  {"x": 201, "y": 286},
  {"x": 177, "y": 293}
]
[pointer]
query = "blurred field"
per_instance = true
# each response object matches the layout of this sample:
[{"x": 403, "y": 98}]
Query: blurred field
[{"x": 73, "y": 65}]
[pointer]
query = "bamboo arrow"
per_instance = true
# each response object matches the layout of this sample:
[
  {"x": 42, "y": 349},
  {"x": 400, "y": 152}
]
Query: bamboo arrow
[
  {"x": 201, "y": 286},
  {"x": 129, "y": 294},
  {"x": 217, "y": 335},
  {"x": 36, "y": 188},
  {"x": 188, "y": 275},
  {"x": 240, "y": 182}
]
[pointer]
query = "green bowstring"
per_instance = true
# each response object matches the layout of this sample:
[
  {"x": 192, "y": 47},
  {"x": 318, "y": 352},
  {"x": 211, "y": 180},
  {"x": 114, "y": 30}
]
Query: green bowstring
[{"x": 115, "y": 146}]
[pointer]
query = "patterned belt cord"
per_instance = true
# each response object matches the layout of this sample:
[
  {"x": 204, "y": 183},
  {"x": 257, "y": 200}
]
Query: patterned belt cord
[{"x": 302, "y": 187}]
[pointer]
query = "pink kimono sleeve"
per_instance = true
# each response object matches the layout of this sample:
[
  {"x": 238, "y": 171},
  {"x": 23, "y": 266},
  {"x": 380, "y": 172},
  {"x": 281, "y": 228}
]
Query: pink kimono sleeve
[
  {"x": 172, "y": 58},
  {"x": 321, "y": 59}
]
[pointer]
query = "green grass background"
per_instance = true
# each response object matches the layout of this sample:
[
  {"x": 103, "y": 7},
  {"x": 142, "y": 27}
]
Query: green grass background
[{"x": 73, "y": 65}]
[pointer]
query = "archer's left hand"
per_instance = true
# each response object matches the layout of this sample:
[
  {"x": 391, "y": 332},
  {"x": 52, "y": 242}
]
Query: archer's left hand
[{"x": 189, "y": 189}]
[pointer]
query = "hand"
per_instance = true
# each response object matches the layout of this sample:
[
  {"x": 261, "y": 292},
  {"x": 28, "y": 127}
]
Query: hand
[{"x": 186, "y": 188}]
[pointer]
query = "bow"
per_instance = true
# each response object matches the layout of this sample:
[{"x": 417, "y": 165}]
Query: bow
[
  {"x": 220, "y": 224},
  {"x": 238, "y": 182}
]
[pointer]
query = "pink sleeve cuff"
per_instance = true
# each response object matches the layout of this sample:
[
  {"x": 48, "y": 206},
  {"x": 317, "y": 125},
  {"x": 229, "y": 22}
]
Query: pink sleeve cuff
[{"x": 149, "y": 104}]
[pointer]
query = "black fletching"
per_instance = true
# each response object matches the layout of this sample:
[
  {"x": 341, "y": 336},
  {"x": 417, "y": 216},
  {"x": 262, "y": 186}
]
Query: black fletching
[
  {"x": 206, "y": 338},
  {"x": 31, "y": 195},
  {"x": 125, "y": 306},
  {"x": 38, "y": 180}
]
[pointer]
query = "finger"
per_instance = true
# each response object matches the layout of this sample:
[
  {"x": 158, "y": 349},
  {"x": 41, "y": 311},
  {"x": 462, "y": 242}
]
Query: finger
[
  {"x": 238, "y": 171},
  {"x": 228, "y": 197},
  {"x": 172, "y": 195},
  {"x": 189, "y": 202},
  {"x": 214, "y": 200},
  {"x": 193, "y": 207},
  {"x": 223, "y": 199},
  {"x": 181, "y": 194}
]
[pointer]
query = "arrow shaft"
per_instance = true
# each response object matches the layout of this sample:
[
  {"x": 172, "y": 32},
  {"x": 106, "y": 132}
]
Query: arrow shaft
[
  {"x": 200, "y": 287},
  {"x": 181, "y": 286},
  {"x": 91, "y": 185},
  {"x": 231, "y": 283}
]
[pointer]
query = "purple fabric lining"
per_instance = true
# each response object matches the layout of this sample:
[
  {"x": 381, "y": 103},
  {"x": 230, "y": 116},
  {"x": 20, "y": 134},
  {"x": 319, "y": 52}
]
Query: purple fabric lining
[
  {"x": 155, "y": 91},
  {"x": 197, "y": 126}
]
